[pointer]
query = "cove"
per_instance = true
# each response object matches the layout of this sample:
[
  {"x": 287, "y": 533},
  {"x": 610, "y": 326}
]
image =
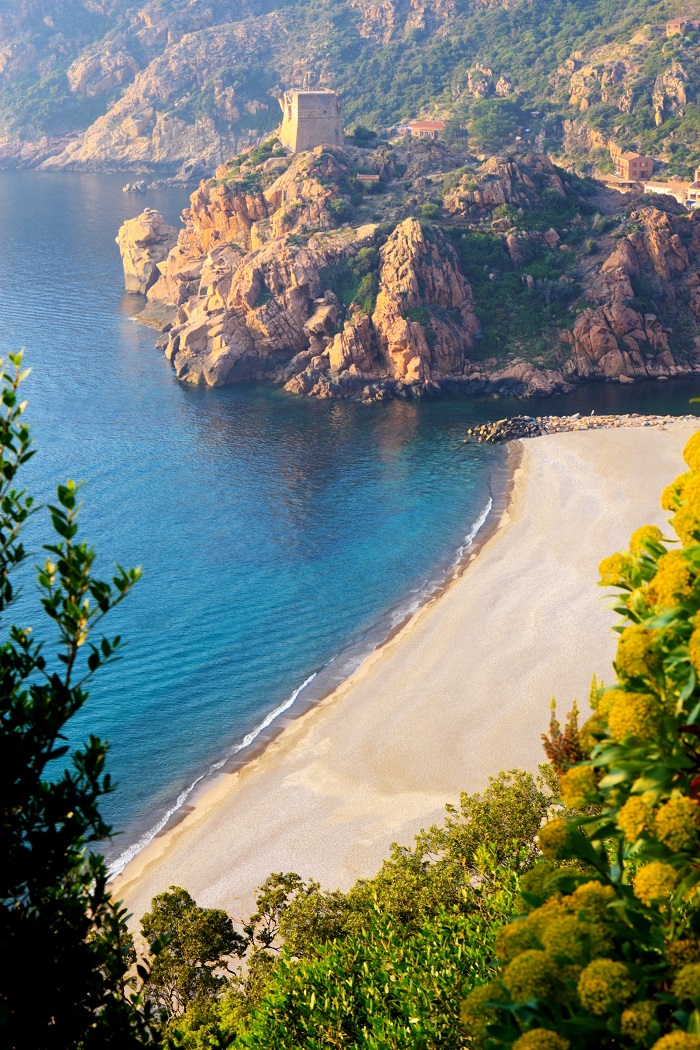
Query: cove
[{"x": 274, "y": 532}]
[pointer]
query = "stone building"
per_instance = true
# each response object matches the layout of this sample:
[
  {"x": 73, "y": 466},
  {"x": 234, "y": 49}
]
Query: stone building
[
  {"x": 682, "y": 25},
  {"x": 633, "y": 167},
  {"x": 693, "y": 198},
  {"x": 310, "y": 118}
]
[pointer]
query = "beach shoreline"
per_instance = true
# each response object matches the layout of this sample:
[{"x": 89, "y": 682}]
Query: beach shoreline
[
  {"x": 321, "y": 684},
  {"x": 192, "y": 851}
]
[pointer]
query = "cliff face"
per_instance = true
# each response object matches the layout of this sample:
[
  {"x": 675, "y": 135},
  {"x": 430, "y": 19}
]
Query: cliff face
[
  {"x": 270, "y": 280},
  {"x": 614, "y": 338},
  {"x": 248, "y": 299},
  {"x": 158, "y": 122}
]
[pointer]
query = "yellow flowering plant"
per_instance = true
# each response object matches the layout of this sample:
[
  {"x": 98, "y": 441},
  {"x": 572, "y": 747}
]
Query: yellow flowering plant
[{"x": 606, "y": 951}]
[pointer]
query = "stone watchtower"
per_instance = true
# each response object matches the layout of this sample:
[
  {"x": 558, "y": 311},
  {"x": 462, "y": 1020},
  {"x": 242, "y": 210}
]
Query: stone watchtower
[{"x": 310, "y": 118}]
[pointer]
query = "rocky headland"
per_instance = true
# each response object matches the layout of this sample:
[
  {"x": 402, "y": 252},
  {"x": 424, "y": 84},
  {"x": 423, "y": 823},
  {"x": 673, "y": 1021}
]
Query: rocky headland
[{"x": 509, "y": 277}]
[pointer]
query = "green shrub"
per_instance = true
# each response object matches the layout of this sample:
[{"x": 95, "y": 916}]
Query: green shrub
[
  {"x": 340, "y": 210},
  {"x": 376, "y": 967}
]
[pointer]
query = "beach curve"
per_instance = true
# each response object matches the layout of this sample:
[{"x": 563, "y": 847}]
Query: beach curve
[{"x": 457, "y": 694}]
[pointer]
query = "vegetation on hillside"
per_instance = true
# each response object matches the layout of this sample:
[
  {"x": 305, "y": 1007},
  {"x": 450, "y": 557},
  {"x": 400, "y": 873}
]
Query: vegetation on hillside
[{"x": 499, "y": 70}]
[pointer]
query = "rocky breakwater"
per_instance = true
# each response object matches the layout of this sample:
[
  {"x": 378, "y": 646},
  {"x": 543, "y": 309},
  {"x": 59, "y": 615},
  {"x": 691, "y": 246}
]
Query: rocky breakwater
[
  {"x": 144, "y": 242},
  {"x": 515, "y": 427}
]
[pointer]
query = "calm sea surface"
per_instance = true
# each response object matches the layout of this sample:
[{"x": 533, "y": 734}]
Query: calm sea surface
[{"x": 276, "y": 534}]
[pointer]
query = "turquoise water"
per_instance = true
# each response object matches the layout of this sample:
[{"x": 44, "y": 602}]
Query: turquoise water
[{"x": 276, "y": 534}]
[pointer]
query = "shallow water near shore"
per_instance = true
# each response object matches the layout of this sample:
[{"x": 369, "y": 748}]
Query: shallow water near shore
[{"x": 275, "y": 533}]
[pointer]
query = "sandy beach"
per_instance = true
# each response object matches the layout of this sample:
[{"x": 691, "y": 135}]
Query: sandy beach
[{"x": 461, "y": 692}]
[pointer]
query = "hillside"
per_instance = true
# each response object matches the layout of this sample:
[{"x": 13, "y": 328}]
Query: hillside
[
  {"x": 96, "y": 84},
  {"x": 446, "y": 274}
]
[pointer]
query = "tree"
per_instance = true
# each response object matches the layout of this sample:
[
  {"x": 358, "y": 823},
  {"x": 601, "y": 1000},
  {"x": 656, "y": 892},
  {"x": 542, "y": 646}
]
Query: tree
[
  {"x": 606, "y": 952},
  {"x": 494, "y": 121},
  {"x": 193, "y": 948},
  {"x": 66, "y": 949}
]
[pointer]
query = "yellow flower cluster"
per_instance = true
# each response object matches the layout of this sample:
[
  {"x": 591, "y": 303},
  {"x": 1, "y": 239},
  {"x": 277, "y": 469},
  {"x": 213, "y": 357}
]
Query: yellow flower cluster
[
  {"x": 575, "y": 784},
  {"x": 634, "y": 818},
  {"x": 691, "y": 489},
  {"x": 541, "y": 1039},
  {"x": 672, "y": 581},
  {"x": 676, "y": 823},
  {"x": 553, "y": 838},
  {"x": 671, "y": 495},
  {"x": 569, "y": 940},
  {"x": 475, "y": 1014},
  {"x": 681, "y": 952},
  {"x": 677, "y": 1041},
  {"x": 607, "y": 699},
  {"x": 637, "y": 1019},
  {"x": 515, "y": 937},
  {"x": 687, "y": 524},
  {"x": 540, "y": 918},
  {"x": 685, "y": 500},
  {"x": 691, "y": 452},
  {"x": 687, "y": 982},
  {"x": 604, "y": 984},
  {"x": 635, "y": 715},
  {"x": 589, "y": 729},
  {"x": 635, "y": 656},
  {"x": 592, "y": 900},
  {"x": 531, "y": 975},
  {"x": 613, "y": 570},
  {"x": 569, "y": 928},
  {"x": 655, "y": 882},
  {"x": 694, "y": 648},
  {"x": 642, "y": 536}
]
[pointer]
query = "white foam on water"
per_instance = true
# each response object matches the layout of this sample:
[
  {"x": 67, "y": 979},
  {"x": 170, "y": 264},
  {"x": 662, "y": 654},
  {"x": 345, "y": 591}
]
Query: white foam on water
[{"x": 128, "y": 855}]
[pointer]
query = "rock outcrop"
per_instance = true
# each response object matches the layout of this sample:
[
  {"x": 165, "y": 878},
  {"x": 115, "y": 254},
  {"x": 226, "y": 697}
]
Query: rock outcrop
[
  {"x": 268, "y": 279},
  {"x": 144, "y": 242},
  {"x": 614, "y": 338},
  {"x": 518, "y": 181}
]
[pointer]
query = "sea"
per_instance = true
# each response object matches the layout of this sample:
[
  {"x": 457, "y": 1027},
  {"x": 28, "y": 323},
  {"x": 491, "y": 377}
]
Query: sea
[{"x": 281, "y": 538}]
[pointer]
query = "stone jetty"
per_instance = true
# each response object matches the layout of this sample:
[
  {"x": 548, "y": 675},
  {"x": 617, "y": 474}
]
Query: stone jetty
[{"x": 514, "y": 427}]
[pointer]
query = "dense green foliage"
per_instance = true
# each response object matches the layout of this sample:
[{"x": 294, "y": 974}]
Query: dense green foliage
[
  {"x": 67, "y": 952},
  {"x": 191, "y": 942},
  {"x": 378, "y": 966}
]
